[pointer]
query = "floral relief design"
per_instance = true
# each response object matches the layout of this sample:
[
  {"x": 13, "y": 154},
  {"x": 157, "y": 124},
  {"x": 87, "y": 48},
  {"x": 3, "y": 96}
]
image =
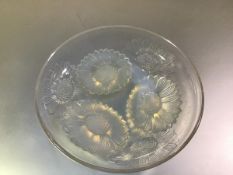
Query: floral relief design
[
  {"x": 61, "y": 86},
  {"x": 104, "y": 71},
  {"x": 150, "y": 57},
  {"x": 95, "y": 127},
  {"x": 153, "y": 105}
]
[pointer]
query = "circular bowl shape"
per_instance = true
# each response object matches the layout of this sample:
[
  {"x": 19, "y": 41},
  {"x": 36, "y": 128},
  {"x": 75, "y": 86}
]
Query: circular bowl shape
[{"x": 119, "y": 99}]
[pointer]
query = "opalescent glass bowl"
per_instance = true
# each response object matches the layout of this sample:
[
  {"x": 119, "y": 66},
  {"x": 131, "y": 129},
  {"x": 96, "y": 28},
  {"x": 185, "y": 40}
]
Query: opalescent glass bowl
[{"x": 119, "y": 98}]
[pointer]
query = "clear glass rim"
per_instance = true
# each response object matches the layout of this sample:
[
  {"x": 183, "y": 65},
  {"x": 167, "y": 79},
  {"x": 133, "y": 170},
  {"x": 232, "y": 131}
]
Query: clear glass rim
[{"x": 111, "y": 170}]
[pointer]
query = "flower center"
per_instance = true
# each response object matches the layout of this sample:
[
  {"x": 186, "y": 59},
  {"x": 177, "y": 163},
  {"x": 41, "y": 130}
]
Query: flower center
[
  {"x": 97, "y": 124},
  {"x": 105, "y": 75},
  {"x": 151, "y": 103},
  {"x": 64, "y": 90}
]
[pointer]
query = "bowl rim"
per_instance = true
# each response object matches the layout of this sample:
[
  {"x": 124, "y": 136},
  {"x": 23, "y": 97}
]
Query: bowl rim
[{"x": 126, "y": 170}]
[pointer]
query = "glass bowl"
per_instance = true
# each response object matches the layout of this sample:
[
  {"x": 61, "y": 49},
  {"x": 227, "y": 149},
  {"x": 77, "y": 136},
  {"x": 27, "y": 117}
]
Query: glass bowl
[{"x": 119, "y": 98}]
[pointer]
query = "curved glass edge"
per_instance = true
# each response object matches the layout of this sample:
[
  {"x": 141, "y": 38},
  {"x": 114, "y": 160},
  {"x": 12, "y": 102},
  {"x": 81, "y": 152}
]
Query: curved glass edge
[{"x": 130, "y": 170}]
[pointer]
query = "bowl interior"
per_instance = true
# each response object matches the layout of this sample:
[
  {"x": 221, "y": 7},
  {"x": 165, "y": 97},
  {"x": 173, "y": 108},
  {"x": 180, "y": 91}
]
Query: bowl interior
[{"x": 135, "y": 44}]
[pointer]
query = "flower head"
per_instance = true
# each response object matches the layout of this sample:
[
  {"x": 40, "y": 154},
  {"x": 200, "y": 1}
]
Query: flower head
[
  {"x": 104, "y": 71},
  {"x": 150, "y": 57},
  {"x": 95, "y": 127},
  {"x": 153, "y": 105}
]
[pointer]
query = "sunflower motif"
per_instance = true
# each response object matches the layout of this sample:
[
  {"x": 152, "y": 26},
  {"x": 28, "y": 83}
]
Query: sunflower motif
[
  {"x": 153, "y": 105},
  {"x": 104, "y": 71},
  {"x": 95, "y": 127},
  {"x": 61, "y": 87},
  {"x": 150, "y": 57}
]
